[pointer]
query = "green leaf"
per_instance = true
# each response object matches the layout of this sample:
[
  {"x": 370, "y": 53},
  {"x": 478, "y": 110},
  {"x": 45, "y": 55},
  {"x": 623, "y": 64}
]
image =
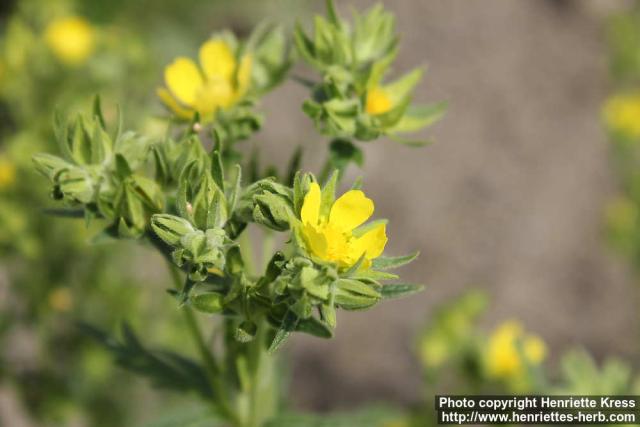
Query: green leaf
[
  {"x": 50, "y": 165},
  {"x": 387, "y": 263},
  {"x": 400, "y": 290},
  {"x": 97, "y": 112},
  {"x": 401, "y": 88},
  {"x": 328, "y": 195},
  {"x": 287, "y": 326},
  {"x": 235, "y": 191},
  {"x": 417, "y": 117},
  {"x": 315, "y": 327},
  {"x": 332, "y": 13},
  {"x": 122, "y": 166},
  {"x": 170, "y": 228},
  {"x": 410, "y": 142},
  {"x": 165, "y": 369},
  {"x": 217, "y": 170}
]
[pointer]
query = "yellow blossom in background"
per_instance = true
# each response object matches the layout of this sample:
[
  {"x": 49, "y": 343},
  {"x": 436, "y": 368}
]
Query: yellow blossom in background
[
  {"x": 333, "y": 238},
  {"x": 71, "y": 39},
  {"x": 219, "y": 82},
  {"x": 7, "y": 173},
  {"x": 510, "y": 350},
  {"x": 378, "y": 101},
  {"x": 434, "y": 351},
  {"x": 60, "y": 299},
  {"x": 622, "y": 114}
]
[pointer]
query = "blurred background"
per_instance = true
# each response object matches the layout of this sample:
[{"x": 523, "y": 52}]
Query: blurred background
[{"x": 520, "y": 196}]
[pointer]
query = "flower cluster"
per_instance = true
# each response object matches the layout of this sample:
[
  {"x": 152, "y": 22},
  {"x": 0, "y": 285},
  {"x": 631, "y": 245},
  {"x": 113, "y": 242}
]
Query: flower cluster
[{"x": 352, "y": 100}]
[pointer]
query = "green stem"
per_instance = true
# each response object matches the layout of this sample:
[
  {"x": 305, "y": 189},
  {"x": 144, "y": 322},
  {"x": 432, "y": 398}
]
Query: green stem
[
  {"x": 260, "y": 407},
  {"x": 211, "y": 366},
  {"x": 268, "y": 245},
  {"x": 246, "y": 249}
]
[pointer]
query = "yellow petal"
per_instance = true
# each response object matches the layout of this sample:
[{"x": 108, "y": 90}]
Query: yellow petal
[
  {"x": 171, "y": 103},
  {"x": 183, "y": 80},
  {"x": 310, "y": 212},
  {"x": 316, "y": 241},
  {"x": 244, "y": 74},
  {"x": 378, "y": 102},
  {"x": 371, "y": 243},
  {"x": 214, "y": 94},
  {"x": 217, "y": 60},
  {"x": 350, "y": 210}
]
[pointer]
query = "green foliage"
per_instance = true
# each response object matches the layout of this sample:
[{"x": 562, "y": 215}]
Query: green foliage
[
  {"x": 580, "y": 375},
  {"x": 102, "y": 173},
  {"x": 163, "y": 368}
]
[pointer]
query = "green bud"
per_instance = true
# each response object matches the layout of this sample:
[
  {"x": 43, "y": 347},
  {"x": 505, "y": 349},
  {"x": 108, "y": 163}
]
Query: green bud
[
  {"x": 170, "y": 228},
  {"x": 207, "y": 303}
]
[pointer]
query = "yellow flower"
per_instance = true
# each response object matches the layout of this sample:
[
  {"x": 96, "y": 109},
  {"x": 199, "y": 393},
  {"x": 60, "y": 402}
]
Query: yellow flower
[
  {"x": 220, "y": 82},
  {"x": 622, "y": 114},
  {"x": 335, "y": 238},
  {"x": 71, "y": 39},
  {"x": 378, "y": 101},
  {"x": 7, "y": 173},
  {"x": 508, "y": 350}
]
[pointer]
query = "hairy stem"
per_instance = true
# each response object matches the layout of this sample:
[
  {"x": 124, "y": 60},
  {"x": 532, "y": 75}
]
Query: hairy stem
[{"x": 211, "y": 366}]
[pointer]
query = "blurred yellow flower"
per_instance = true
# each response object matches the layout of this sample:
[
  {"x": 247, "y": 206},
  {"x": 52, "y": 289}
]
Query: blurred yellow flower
[
  {"x": 219, "y": 82},
  {"x": 622, "y": 114},
  {"x": 333, "y": 238},
  {"x": 434, "y": 350},
  {"x": 378, "y": 101},
  {"x": 7, "y": 173},
  {"x": 60, "y": 299},
  {"x": 510, "y": 351},
  {"x": 71, "y": 39}
]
